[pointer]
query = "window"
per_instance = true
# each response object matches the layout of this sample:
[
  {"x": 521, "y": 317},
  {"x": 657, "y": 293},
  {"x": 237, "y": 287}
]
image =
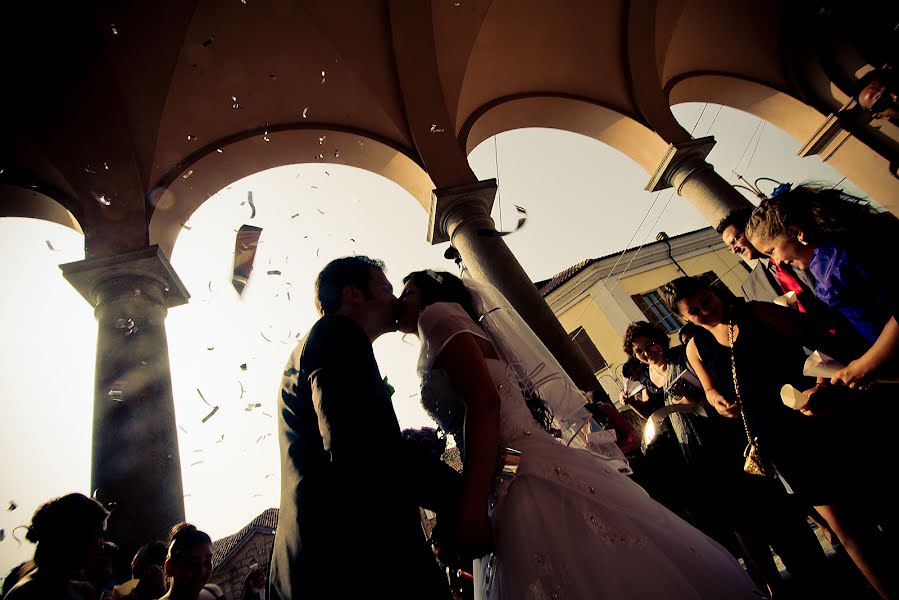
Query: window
[
  {"x": 651, "y": 305},
  {"x": 591, "y": 352}
]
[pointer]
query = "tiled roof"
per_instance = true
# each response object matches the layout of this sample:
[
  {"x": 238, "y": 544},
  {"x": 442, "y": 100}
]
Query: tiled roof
[
  {"x": 267, "y": 521},
  {"x": 548, "y": 285}
]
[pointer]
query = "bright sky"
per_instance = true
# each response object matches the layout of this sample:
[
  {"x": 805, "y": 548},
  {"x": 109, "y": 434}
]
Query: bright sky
[{"x": 583, "y": 199}]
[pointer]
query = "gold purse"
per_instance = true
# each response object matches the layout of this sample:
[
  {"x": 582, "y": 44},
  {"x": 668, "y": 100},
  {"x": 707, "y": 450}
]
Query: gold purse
[{"x": 754, "y": 464}]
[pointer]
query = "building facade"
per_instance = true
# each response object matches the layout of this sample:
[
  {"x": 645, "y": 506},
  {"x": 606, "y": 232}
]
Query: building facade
[{"x": 596, "y": 299}]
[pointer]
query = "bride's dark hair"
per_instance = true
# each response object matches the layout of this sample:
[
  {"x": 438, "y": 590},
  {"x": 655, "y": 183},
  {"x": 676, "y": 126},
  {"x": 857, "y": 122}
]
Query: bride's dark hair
[{"x": 441, "y": 286}]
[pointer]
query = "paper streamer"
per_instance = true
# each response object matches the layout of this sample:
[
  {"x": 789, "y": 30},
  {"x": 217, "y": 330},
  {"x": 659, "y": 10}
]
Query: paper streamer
[
  {"x": 244, "y": 254},
  {"x": 522, "y": 219}
]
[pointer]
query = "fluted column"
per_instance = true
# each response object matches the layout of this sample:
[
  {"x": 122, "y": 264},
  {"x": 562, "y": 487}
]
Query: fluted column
[
  {"x": 135, "y": 465},
  {"x": 461, "y": 215},
  {"x": 684, "y": 167}
]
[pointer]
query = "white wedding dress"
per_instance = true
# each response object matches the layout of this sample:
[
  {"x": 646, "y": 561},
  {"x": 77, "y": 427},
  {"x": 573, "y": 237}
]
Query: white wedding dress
[{"x": 568, "y": 525}]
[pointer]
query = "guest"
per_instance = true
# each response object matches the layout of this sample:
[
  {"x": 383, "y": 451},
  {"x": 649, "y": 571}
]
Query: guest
[
  {"x": 877, "y": 91},
  {"x": 843, "y": 244},
  {"x": 188, "y": 563},
  {"x": 147, "y": 572},
  {"x": 743, "y": 355},
  {"x": 68, "y": 532}
]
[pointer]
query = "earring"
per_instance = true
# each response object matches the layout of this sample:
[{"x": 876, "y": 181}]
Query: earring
[{"x": 803, "y": 242}]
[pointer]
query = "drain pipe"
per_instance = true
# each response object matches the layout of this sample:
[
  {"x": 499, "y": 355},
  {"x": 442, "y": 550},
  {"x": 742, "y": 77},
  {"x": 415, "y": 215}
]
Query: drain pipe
[{"x": 663, "y": 237}]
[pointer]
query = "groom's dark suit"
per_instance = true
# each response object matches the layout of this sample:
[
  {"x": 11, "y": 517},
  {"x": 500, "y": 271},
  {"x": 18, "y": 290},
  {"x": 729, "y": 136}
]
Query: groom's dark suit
[{"x": 349, "y": 523}]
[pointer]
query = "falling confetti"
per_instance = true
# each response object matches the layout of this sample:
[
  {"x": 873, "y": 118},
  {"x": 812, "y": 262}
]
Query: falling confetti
[
  {"x": 105, "y": 166},
  {"x": 194, "y": 464},
  {"x": 234, "y": 103},
  {"x": 209, "y": 41},
  {"x": 249, "y": 201},
  {"x": 522, "y": 219},
  {"x": 273, "y": 272},
  {"x": 269, "y": 475},
  {"x": 243, "y": 367},
  {"x": 104, "y": 200},
  {"x": 191, "y": 137},
  {"x": 295, "y": 216},
  {"x": 182, "y": 429},
  {"x": 188, "y": 174},
  {"x": 221, "y": 439},
  {"x": 50, "y": 246},
  {"x": 114, "y": 30},
  {"x": 219, "y": 150},
  {"x": 320, "y": 211},
  {"x": 210, "y": 348},
  {"x": 321, "y": 139},
  {"x": 2, "y": 534},
  {"x": 272, "y": 76},
  {"x": 89, "y": 170},
  {"x": 203, "y": 398},
  {"x": 186, "y": 226},
  {"x": 337, "y": 154},
  {"x": 214, "y": 410},
  {"x": 126, "y": 325},
  {"x": 244, "y": 254},
  {"x": 323, "y": 76},
  {"x": 116, "y": 395},
  {"x": 263, "y": 336},
  {"x": 305, "y": 112},
  {"x": 435, "y": 129},
  {"x": 265, "y": 137},
  {"x": 319, "y": 156},
  {"x": 266, "y": 414},
  {"x": 12, "y": 506},
  {"x": 253, "y": 405},
  {"x": 242, "y": 390}
]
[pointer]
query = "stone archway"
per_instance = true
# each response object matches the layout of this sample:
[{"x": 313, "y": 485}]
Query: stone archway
[
  {"x": 847, "y": 154},
  {"x": 182, "y": 191}
]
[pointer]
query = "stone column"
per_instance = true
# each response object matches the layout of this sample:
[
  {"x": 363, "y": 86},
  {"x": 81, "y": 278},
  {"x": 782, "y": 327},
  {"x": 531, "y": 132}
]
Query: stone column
[
  {"x": 135, "y": 465},
  {"x": 684, "y": 167},
  {"x": 460, "y": 215}
]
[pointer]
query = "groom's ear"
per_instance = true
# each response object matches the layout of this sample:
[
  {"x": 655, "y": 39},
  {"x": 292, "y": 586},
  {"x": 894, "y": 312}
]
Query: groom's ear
[{"x": 350, "y": 295}]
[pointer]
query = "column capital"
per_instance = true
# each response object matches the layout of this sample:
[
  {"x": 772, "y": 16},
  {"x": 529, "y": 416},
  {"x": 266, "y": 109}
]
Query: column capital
[
  {"x": 89, "y": 276},
  {"x": 680, "y": 155},
  {"x": 445, "y": 201}
]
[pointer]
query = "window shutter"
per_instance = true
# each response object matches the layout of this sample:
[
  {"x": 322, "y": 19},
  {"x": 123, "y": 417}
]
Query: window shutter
[
  {"x": 589, "y": 349},
  {"x": 646, "y": 310}
]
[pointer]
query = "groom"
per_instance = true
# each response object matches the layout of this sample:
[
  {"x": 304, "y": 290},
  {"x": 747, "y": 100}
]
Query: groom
[{"x": 350, "y": 489}]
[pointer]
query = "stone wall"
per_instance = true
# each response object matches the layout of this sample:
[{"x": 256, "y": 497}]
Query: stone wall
[{"x": 230, "y": 575}]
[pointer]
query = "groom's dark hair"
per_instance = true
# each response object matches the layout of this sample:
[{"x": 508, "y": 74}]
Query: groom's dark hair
[{"x": 354, "y": 271}]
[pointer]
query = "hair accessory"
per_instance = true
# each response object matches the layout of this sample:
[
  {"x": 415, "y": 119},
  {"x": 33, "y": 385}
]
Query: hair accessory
[
  {"x": 435, "y": 276},
  {"x": 781, "y": 189}
]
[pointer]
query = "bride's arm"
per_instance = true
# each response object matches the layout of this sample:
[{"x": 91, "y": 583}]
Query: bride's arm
[{"x": 463, "y": 360}]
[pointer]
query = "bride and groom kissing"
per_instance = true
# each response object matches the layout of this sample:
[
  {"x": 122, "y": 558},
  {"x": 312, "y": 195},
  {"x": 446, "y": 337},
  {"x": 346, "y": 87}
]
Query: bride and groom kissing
[{"x": 565, "y": 525}]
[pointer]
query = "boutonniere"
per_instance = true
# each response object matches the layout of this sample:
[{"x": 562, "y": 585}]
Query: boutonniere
[{"x": 390, "y": 389}]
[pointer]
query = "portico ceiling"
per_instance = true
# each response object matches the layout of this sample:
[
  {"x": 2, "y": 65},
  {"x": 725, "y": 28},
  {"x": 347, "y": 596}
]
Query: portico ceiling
[{"x": 120, "y": 110}]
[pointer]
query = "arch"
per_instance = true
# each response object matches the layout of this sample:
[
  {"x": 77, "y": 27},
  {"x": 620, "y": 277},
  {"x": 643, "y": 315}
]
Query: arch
[
  {"x": 851, "y": 157},
  {"x": 21, "y": 202},
  {"x": 175, "y": 198},
  {"x": 568, "y": 113}
]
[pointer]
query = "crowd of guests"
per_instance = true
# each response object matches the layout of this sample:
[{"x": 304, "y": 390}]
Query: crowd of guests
[
  {"x": 72, "y": 561},
  {"x": 825, "y": 254}
]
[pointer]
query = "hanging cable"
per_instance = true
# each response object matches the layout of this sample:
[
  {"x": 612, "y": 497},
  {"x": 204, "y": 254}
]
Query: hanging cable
[
  {"x": 745, "y": 150},
  {"x": 705, "y": 106},
  {"x": 712, "y": 124},
  {"x": 499, "y": 191},
  {"x": 752, "y": 156}
]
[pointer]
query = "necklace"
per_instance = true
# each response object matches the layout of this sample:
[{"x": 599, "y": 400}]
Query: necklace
[{"x": 656, "y": 371}]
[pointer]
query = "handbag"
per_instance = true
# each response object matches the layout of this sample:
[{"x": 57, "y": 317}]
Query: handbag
[{"x": 755, "y": 463}]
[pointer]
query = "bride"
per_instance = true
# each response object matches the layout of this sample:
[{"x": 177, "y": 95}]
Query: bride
[{"x": 564, "y": 523}]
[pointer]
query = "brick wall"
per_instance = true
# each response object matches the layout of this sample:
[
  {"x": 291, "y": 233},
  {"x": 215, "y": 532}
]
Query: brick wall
[{"x": 230, "y": 575}]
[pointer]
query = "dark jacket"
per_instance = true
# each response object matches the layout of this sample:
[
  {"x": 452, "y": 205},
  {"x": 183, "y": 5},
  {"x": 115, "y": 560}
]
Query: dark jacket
[{"x": 350, "y": 487}]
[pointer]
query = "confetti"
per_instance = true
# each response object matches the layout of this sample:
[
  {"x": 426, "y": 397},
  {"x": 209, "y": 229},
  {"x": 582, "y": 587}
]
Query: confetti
[
  {"x": 210, "y": 348},
  {"x": 203, "y": 398},
  {"x": 194, "y": 464},
  {"x": 295, "y": 216},
  {"x": 249, "y": 201},
  {"x": 323, "y": 76},
  {"x": 245, "y": 245},
  {"x": 435, "y": 129},
  {"x": 252, "y": 405},
  {"x": 188, "y": 174},
  {"x": 272, "y": 76},
  {"x": 321, "y": 139},
  {"x": 243, "y": 367},
  {"x": 221, "y": 439},
  {"x": 2, "y": 534},
  {"x": 215, "y": 409},
  {"x": 186, "y": 226},
  {"x": 320, "y": 211},
  {"x": 104, "y": 200},
  {"x": 265, "y": 137},
  {"x": 89, "y": 170},
  {"x": 105, "y": 166},
  {"x": 305, "y": 112},
  {"x": 209, "y": 41},
  {"x": 12, "y": 506},
  {"x": 266, "y": 414},
  {"x": 50, "y": 246},
  {"x": 182, "y": 429},
  {"x": 319, "y": 156},
  {"x": 273, "y": 272},
  {"x": 116, "y": 395},
  {"x": 114, "y": 30},
  {"x": 234, "y": 103},
  {"x": 269, "y": 475},
  {"x": 263, "y": 336},
  {"x": 191, "y": 137},
  {"x": 219, "y": 150},
  {"x": 522, "y": 219}
]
